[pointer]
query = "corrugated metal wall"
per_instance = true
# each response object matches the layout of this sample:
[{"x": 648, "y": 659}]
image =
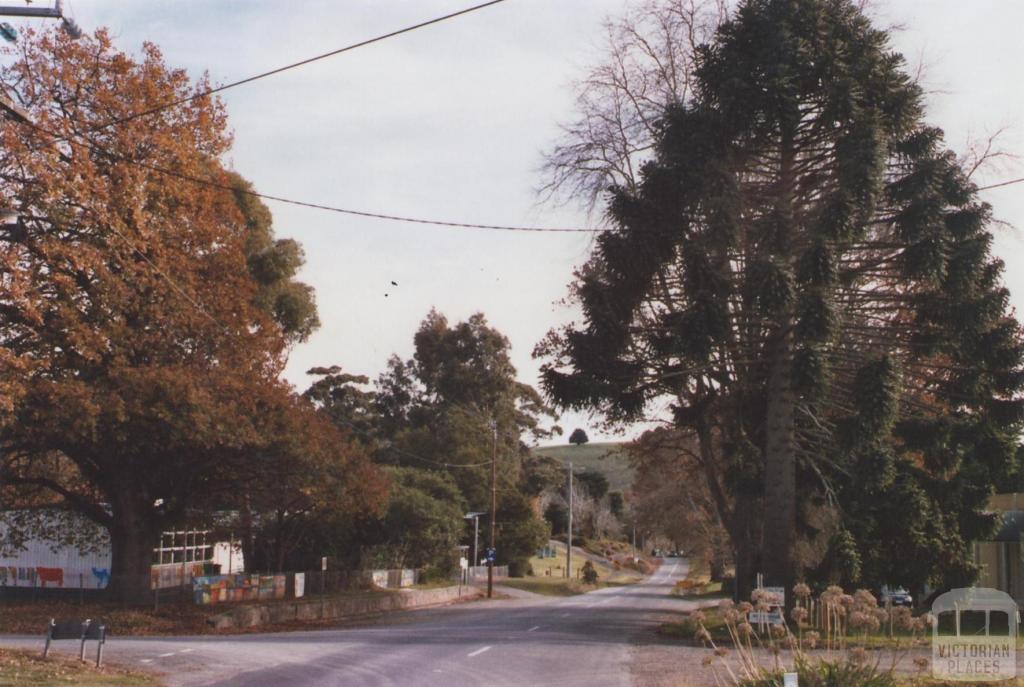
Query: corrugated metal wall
[{"x": 43, "y": 563}]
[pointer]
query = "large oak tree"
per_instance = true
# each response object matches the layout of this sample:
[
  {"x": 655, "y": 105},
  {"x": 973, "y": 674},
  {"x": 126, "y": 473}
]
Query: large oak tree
[{"x": 149, "y": 314}]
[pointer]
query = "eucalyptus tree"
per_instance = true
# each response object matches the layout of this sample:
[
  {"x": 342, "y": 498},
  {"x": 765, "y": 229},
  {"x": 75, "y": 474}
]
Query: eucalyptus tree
[{"x": 804, "y": 269}]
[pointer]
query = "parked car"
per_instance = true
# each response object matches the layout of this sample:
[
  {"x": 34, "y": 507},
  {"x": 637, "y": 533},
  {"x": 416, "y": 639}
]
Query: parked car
[{"x": 897, "y": 596}]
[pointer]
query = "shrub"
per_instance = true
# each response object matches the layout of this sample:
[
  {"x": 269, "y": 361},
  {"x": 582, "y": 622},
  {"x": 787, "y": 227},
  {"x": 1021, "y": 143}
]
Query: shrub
[
  {"x": 589, "y": 573},
  {"x": 825, "y": 673}
]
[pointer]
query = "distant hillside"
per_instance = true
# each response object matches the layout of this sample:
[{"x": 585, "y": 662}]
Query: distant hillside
[{"x": 608, "y": 458}]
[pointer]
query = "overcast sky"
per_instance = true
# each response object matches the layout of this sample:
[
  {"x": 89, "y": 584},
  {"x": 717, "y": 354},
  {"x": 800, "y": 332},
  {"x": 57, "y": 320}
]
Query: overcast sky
[{"x": 450, "y": 122}]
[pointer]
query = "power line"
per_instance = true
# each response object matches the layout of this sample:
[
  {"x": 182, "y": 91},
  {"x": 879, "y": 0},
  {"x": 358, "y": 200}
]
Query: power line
[
  {"x": 348, "y": 211},
  {"x": 294, "y": 65}
]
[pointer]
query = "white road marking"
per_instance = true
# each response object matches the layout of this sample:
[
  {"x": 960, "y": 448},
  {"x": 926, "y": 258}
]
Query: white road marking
[
  {"x": 146, "y": 660},
  {"x": 535, "y": 627},
  {"x": 185, "y": 651},
  {"x": 478, "y": 652},
  {"x": 165, "y": 655}
]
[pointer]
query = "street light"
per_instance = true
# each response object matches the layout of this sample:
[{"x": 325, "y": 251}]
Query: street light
[{"x": 475, "y": 516}]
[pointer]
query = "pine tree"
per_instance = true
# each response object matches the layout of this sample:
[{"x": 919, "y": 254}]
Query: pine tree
[{"x": 805, "y": 270}]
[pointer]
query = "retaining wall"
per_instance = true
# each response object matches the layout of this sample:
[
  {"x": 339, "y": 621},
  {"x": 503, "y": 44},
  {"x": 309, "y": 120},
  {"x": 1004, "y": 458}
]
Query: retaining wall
[{"x": 312, "y": 608}]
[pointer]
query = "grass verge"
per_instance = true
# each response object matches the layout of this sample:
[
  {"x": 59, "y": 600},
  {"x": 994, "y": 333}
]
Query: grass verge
[
  {"x": 556, "y": 586},
  {"x": 172, "y": 618},
  {"x": 19, "y": 667}
]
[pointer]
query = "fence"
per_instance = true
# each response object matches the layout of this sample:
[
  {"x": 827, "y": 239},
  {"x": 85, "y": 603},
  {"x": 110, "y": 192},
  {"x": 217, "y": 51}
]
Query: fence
[
  {"x": 478, "y": 573},
  {"x": 191, "y": 583}
]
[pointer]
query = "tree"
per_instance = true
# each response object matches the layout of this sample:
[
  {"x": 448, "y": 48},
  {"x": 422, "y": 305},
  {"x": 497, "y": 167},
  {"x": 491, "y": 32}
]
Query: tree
[
  {"x": 273, "y": 264},
  {"x": 651, "y": 62},
  {"x": 422, "y": 525},
  {"x": 804, "y": 270},
  {"x": 447, "y": 411},
  {"x": 147, "y": 355},
  {"x": 301, "y": 471},
  {"x": 339, "y": 396},
  {"x": 578, "y": 437},
  {"x": 594, "y": 482},
  {"x": 671, "y": 499}
]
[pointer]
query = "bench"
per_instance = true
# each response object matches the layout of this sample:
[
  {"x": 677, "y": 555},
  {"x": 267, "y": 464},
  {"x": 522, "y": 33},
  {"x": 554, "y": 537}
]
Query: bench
[{"x": 82, "y": 630}]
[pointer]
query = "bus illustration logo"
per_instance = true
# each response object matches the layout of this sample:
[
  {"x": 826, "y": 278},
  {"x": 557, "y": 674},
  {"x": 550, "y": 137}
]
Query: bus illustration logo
[{"x": 974, "y": 635}]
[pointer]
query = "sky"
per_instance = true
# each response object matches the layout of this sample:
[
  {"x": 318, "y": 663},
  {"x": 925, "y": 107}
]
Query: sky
[{"x": 451, "y": 122}]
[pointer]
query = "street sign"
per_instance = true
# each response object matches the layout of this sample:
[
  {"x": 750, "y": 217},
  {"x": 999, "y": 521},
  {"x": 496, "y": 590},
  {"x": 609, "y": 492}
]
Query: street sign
[
  {"x": 492, "y": 555},
  {"x": 323, "y": 564},
  {"x": 779, "y": 594}
]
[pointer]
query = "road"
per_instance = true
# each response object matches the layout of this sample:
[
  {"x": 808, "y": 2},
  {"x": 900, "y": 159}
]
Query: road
[{"x": 582, "y": 641}]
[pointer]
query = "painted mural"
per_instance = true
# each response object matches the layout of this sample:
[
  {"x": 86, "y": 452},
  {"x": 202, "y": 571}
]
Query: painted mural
[{"x": 215, "y": 589}]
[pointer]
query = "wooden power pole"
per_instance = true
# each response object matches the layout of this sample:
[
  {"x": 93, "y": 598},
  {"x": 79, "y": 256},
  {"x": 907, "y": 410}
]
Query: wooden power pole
[
  {"x": 568, "y": 547},
  {"x": 494, "y": 510}
]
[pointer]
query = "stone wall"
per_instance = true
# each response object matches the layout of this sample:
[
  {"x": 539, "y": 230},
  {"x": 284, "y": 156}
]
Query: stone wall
[{"x": 312, "y": 608}]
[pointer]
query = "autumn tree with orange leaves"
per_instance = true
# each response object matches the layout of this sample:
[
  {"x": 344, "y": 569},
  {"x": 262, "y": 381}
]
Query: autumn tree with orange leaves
[{"x": 144, "y": 346}]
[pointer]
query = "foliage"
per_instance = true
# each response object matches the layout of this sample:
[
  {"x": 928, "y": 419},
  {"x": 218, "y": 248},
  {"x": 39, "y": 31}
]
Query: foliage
[
  {"x": 134, "y": 304},
  {"x": 589, "y": 573},
  {"x": 671, "y": 499},
  {"x": 422, "y": 525},
  {"x": 803, "y": 271},
  {"x": 594, "y": 482},
  {"x": 578, "y": 437},
  {"x": 446, "y": 413}
]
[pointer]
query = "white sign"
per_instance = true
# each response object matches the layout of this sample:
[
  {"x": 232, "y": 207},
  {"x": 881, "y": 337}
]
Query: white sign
[
  {"x": 300, "y": 585},
  {"x": 463, "y": 563},
  {"x": 977, "y": 640},
  {"x": 323, "y": 564},
  {"x": 778, "y": 594},
  {"x": 765, "y": 618},
  {"x": 790, "y": 680}
]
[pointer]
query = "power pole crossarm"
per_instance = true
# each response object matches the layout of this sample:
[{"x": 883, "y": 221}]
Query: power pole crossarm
[{"x": 55, "y": 12}]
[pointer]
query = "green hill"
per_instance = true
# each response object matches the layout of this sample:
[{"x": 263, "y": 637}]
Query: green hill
[{"x": 607, "y": 458}]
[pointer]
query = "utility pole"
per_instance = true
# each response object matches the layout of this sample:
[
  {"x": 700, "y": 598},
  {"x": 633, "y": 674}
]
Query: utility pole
[
  {"x": 55, "y": 12},
  {"x": 494, "y": 510},
  {"x": 568, "y": 548}
]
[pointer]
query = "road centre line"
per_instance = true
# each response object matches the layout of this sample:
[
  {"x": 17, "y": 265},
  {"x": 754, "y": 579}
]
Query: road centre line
[
  {"x": 166, "y": 655},
  {"x": 535, "y": 627},
  {"x": 478, "y": 652}
]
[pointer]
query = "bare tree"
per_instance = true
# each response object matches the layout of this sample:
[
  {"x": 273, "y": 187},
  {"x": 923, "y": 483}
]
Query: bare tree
[{"x": 649, "y": 65}]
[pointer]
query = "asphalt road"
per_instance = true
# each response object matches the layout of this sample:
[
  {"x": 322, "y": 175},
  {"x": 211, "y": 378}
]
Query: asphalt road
[{"x": 582, "y": 641}]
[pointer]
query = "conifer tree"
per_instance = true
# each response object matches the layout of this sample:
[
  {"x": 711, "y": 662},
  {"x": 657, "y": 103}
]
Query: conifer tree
[{"x": 805, "y": 270}]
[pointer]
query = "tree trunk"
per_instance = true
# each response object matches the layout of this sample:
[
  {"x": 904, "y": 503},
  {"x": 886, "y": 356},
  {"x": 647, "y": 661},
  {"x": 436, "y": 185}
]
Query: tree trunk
[
  {"x": 744, "y": 538},
  {"x": 780, "y": 446},
  {"x": 133, "y": 535},
  {"x": 717, "y": 566}
]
